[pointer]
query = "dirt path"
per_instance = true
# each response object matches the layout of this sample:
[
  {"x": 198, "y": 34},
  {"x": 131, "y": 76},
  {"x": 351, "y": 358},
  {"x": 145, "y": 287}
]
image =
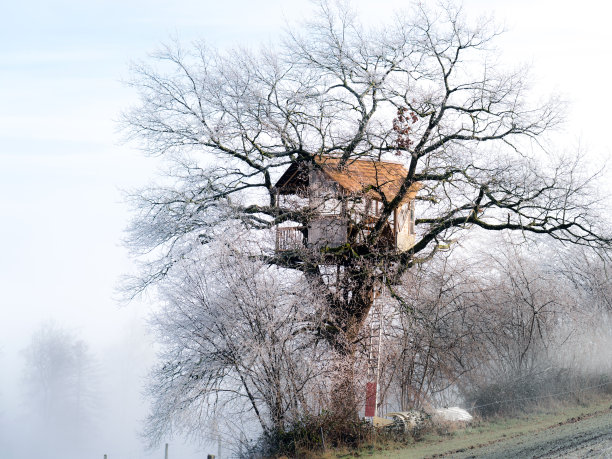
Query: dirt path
[{"x": 576, "y": 438}]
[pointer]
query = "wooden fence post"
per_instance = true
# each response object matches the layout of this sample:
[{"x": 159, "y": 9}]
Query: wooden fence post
[{"x": 166, "y": 454}]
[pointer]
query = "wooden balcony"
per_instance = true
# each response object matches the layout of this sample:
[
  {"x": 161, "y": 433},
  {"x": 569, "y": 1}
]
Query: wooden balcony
[{"x": 289, "y": 238}]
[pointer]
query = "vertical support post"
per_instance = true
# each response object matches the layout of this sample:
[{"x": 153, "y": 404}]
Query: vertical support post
[
  {"x": 277, "y": 229},
  {"x": 323, "y": 438},
  {"x": 395, "y": 226},
  {"x": 166, "y": 453},
  {"x": 217, "y": 435}
]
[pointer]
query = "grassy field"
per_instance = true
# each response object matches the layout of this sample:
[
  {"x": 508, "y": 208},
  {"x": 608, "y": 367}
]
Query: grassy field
[{"x": 481, "y": 433}]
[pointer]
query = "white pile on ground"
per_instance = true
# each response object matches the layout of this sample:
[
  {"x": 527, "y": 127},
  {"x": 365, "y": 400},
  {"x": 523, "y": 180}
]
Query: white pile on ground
[
  {"x": 451, "y": 414},
  {"x": 416, "y": 419},
  {"x": 411, "y": 419}
]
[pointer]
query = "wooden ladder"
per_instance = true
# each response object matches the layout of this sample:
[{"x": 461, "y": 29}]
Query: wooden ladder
[{"x": 373, "y": 365}]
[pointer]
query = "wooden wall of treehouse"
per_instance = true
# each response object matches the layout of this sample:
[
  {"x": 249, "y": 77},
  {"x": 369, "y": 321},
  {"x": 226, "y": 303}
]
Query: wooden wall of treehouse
[{"x": 342, "y": 216}]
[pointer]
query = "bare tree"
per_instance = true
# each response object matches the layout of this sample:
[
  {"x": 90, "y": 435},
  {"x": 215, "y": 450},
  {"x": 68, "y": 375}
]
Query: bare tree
[
  {"x": 437, "y": 333},
  {"x": 234, "y": 351},
  {"x": 526, "y": 300},
  {"x": 587, "y": 275},
  {"x": 60, "y": 384},
  {"x": 425, "y": 91}
]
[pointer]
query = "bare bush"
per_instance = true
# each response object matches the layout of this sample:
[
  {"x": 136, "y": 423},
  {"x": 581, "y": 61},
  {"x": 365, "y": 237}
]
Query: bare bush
[{"x": 236, "y": 346}]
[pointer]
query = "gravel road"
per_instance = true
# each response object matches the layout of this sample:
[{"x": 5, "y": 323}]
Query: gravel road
[{"x": 577, "y": 438}]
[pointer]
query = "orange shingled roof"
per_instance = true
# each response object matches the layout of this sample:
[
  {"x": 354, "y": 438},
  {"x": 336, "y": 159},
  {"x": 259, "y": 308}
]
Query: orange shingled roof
[{"x": 360, "y": 175}]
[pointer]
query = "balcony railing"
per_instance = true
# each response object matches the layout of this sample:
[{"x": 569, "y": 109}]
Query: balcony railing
[{"x": 289, "y": 238}]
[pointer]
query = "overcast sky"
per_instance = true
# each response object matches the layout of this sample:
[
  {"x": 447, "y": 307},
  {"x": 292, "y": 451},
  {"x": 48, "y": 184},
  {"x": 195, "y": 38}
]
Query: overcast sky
[{"x": 62, "y": 165}]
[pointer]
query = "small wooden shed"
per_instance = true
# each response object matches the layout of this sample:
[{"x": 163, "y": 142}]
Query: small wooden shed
[{"x": 345, "y": 203}]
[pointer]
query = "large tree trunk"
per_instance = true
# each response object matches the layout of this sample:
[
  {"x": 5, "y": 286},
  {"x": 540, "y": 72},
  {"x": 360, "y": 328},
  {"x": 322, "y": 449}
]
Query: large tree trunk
[{"x": 346, "y": 400}]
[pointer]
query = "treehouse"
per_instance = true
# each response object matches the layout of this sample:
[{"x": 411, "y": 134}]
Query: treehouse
[{"x": 343, "y": 204}]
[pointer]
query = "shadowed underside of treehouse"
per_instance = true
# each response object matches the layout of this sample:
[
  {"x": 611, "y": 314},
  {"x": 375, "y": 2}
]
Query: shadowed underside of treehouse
[{"x": 344, "y": 204}]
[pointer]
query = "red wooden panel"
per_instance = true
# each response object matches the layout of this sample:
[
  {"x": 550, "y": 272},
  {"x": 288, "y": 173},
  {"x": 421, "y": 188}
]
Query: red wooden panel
[{"x": 370, "y": 406}]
